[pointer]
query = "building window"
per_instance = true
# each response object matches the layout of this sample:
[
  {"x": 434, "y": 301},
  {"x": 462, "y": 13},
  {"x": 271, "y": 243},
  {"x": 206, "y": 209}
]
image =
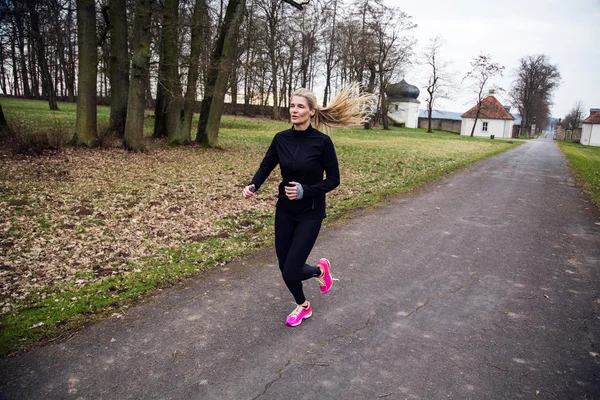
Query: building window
[
  {"x": 396, "y": 107},
  {"x": 484, "y": 127}
]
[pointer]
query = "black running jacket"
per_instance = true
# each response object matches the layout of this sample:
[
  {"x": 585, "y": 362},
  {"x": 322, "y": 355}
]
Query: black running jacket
[{"x": 303, "y": 157}]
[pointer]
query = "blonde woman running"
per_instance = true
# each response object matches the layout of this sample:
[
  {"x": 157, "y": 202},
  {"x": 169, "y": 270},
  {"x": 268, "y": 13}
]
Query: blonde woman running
[{"x": 304, "y": 154}]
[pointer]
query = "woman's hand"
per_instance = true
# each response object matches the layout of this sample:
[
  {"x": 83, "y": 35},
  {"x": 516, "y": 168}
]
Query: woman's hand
[
  {"x": 292, "y": 191},
  {"x": 248, "y": 191}
]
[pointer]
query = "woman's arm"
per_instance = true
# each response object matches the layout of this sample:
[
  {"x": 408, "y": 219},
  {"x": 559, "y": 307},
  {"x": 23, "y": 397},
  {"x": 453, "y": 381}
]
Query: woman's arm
[
  {"x": 267, "y": 165},
  {"x": 332, "y": 172}
]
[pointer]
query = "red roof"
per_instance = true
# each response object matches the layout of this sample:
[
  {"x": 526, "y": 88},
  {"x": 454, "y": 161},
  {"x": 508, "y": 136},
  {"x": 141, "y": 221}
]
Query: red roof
[
  {"x": 593, "y": 119},
  {"x": 490, "y": 108}
]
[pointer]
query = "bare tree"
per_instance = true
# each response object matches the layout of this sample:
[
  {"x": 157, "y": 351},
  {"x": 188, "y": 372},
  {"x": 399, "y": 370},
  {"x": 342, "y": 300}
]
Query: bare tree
[
  {"x": 483, "y": 69},
  {"x": 535, "y": 81},
  {"x": 47, "y": 84},
  {"x": 392, "y": 50},
  {"x": 134, "y": 124},
  {"x": 330, "y": 37},
  {"x": 198, "y": 35},
  {"x": 119, "y": 66},
  {"x": 439, "y": 83},
  {"x": 574, "y": 118},
  {"x": 85, "y": 123},
  {"x": 211, "y": 108}
]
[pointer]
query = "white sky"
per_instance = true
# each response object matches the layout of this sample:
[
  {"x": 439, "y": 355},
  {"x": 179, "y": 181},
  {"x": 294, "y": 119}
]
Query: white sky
[{"x": 568, "y": 32}]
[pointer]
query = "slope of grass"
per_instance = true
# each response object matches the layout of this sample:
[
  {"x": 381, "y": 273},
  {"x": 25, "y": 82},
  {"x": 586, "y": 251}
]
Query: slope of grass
[{"x": 585, "y": 163}]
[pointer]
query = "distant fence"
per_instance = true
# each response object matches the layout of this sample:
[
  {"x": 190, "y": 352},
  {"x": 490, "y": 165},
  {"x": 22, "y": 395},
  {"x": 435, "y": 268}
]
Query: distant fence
[
  {"x": 249, "y": 110},
  {"x": 441, "y": 124}
]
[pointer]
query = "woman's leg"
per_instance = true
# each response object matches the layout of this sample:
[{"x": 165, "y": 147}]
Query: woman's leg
[{"x": 294, "y": 241}]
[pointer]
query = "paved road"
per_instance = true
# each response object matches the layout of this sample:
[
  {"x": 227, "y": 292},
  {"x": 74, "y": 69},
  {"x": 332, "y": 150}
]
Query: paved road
[{"x": 484, "y": 285}]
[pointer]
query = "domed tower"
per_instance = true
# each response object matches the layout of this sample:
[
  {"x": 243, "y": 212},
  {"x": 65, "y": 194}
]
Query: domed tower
[{"x": 403, "y": 104}]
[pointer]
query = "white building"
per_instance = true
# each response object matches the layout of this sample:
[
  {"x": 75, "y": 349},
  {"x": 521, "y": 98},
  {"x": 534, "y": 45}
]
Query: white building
[
  {"x": 403, "y": 109},
  {"x": 493, "y": 120},
  {"x": 590, "y": 130}
]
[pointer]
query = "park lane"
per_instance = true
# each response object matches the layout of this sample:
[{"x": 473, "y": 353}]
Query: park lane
[{"x": 481, "y": 285}]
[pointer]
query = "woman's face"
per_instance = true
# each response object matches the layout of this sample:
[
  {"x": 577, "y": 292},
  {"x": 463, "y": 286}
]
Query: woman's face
[{"x": 300, "y": 112}]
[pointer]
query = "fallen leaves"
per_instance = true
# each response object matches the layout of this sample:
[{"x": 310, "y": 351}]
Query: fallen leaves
[{"x": 115, "y": 209}]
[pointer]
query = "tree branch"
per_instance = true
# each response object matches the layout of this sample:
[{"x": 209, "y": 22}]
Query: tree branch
[{"x": 299, "y": 6}]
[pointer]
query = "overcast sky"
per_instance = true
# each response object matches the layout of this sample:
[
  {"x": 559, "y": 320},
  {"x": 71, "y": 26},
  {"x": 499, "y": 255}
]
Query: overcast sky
[{"x": 568, "y": 32}]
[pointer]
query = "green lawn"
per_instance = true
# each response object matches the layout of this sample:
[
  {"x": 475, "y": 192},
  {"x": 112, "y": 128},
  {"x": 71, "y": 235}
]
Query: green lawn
[
  {"x": 585, "y": 163},
  {"x": 87, "y": 232}
]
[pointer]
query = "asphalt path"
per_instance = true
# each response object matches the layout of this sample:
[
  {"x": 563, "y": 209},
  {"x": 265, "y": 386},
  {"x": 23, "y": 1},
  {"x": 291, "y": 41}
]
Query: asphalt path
[{"x": 483, "y": 285}]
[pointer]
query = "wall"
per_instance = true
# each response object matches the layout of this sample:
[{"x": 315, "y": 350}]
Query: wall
[
  {"x": 441, "y": 124},
  {"x": 590, "y": 135},
  {"x": 406, "y": 112},
  {"x": 500, "y": 128},
  {"x": 568, "y": 135}
]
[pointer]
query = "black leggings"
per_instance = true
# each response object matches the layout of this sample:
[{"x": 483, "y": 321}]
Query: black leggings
[{"x": 294, "y": 241}]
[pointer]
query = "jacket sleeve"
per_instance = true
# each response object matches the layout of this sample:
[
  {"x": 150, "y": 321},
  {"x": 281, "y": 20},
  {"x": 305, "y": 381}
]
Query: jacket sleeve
[
  {"x": 332, "y": 172},
  {"x": 267, "y": 165}
]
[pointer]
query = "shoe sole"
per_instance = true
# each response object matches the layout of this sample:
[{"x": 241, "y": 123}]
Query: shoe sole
[{"x": 329, "y": 272}]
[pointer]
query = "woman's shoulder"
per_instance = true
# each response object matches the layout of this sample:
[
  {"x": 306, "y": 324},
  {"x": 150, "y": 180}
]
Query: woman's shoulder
[{"x": 286, "y": 132}]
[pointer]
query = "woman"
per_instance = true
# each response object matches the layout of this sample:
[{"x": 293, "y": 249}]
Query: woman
[{"x": 304, "y": 154}]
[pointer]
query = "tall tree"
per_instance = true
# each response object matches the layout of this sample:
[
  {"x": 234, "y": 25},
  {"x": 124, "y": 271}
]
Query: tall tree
[
  {"x": 392, "y": 50},
  {"x": 85, "y": 123},
  {"x": 119, "y": 66},
  {"x": 19, "y": 14},
  {"x": 47, "y": 85},
  {"x": 172, "y": 83},
  {"x": 160, "y": 104},
  {"x": 483, "y": 69},
  {"x": 211, "y": 108},
  {"x": 330, "y": 49},
  {"x": 574, "y": 118},
  {"x": 440, "y": 81},
  {"x": 198, "y": 35},
  {"x": 140, "y": 66},
  {"x": 271, "y": 9},
  {"x": 535, "y": 81}
]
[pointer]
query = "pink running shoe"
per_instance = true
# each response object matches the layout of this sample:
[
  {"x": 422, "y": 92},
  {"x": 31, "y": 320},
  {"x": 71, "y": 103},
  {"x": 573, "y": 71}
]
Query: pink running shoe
[
  {"x": 300, "y": 313},
  {"x": 325, "y": 281}
]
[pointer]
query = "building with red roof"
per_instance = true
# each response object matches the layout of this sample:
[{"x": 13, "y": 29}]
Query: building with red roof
[
  {"x": 590, "y": 129},
  {"x": 493, "y": 120}
]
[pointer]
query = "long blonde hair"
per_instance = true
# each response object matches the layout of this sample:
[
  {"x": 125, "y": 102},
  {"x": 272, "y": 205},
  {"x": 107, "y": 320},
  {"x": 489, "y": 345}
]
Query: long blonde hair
[{"x": 349, "y": 107}]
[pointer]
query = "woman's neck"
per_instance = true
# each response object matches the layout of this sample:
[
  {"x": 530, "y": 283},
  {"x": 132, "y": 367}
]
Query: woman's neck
[{"x": 302, "y": 127}]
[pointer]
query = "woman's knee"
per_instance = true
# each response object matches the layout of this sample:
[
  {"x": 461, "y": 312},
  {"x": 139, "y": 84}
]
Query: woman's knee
[{"x": 290, "y": 273}]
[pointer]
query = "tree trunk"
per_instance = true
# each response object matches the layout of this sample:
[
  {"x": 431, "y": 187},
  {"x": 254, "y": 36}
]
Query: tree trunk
[
  {"x": 173, "y": 100},
  {"x": 140, "y": 65},
  {"x": 212, "y": 104},
  {"x": 70, "y": 67},
  {"x": 476, "y": 118},
  {"x": 119, "y": 66},
  {"x": 85, "y": 123},
  {"x": 22, "y": 59},
  {"x": 3, "y": 124},
  {"x": 198, "y": 36},
  {"x": 14, "y": 62},
  {"x": 329, "y": 59},
  {"x": 48, "y": 87},
  {"x": 160, "y": 128}
]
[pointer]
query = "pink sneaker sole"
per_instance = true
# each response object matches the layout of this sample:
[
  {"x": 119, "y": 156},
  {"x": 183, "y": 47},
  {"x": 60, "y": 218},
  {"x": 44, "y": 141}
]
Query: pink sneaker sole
[{"x": 326, "y": 279}]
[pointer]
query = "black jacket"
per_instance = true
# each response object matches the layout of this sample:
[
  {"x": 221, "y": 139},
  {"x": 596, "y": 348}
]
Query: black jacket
[{"x": 303, "y": 156}]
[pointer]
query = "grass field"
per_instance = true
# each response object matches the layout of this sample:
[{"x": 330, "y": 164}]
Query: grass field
[
  {"x": 86, "y": 233},
  {"x": 585, "y": 163}
]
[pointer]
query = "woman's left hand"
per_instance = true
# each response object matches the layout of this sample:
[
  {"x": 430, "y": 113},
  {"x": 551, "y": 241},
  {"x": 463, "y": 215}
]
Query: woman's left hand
[{"x": 292, "y": 191}]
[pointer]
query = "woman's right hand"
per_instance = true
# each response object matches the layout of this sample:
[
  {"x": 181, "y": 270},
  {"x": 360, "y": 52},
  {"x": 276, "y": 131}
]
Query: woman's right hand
[{"x": 248, "y": 191}]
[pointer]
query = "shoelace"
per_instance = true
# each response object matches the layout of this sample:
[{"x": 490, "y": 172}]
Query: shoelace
[{"x": 297, "y": 310}]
